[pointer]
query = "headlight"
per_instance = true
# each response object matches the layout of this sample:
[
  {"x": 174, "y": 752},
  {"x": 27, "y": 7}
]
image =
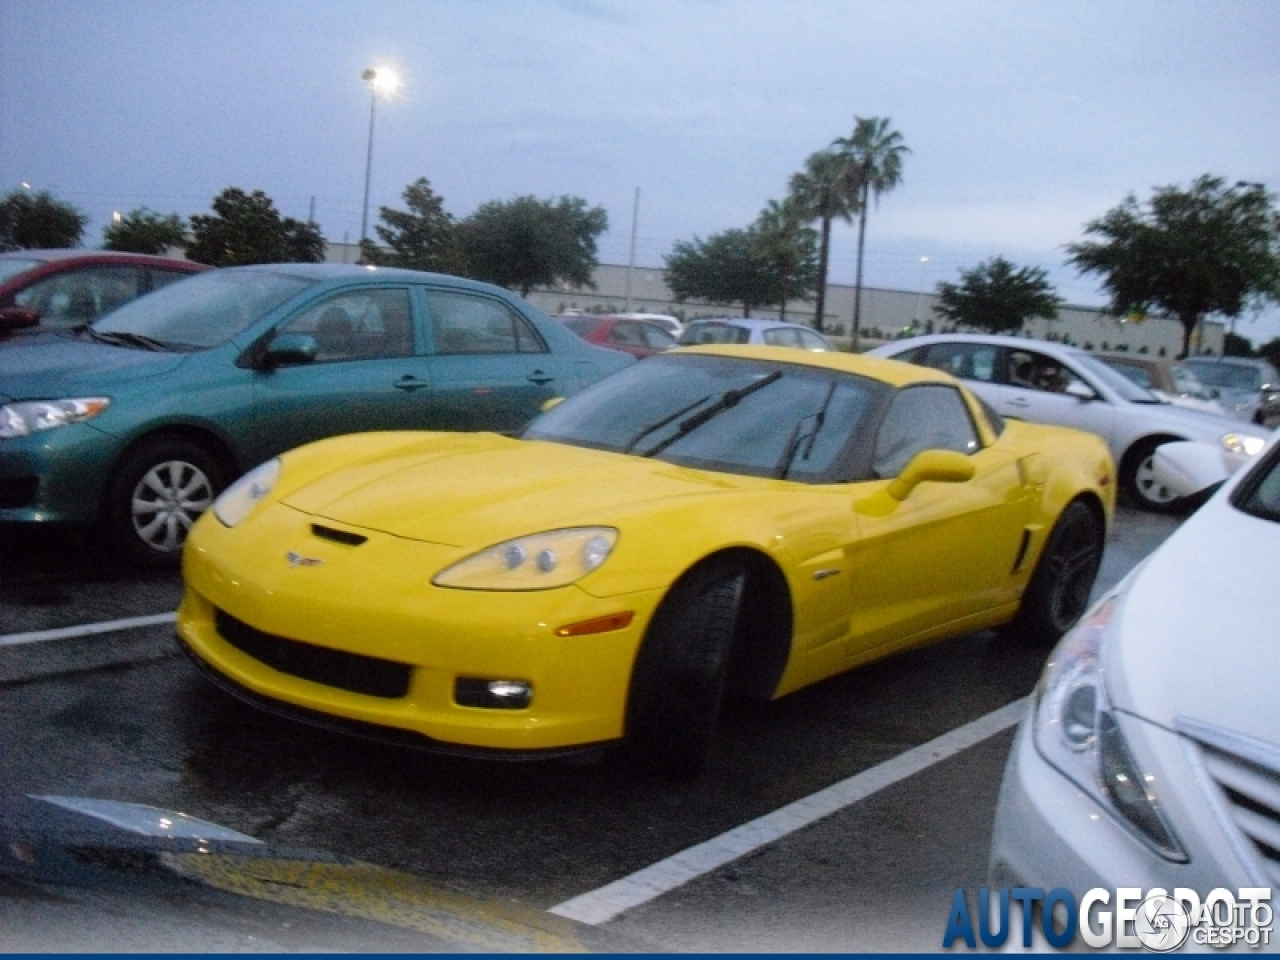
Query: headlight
[
  {"x": 242, "y": 496},
  {"x": 540, "y": 561},
  {"x": 20, "y": 419},
  {"x": 1245, "y": 446},
  {"x": 1075, "y": 730}
]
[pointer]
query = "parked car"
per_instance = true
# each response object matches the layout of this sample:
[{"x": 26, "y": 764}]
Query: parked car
[
  {"x": 640, "y": 338},
  {"x": 1170, "y": 380},
  {"x": 717, "y": 521},
  {"x": 669, "y": 323},
  {"x": 64, "y": 288},
  {"x": 1053, "y": 383},
  {"x": 773, "y": 333},
  {"x": 1150, "y": 754},
  {"x": 1248, "y": 387},
  {"x": 138, "y": 420}
]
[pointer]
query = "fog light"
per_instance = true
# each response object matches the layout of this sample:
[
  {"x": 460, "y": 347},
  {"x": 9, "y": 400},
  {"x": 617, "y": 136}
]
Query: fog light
[{"x": 492, "y": 694}]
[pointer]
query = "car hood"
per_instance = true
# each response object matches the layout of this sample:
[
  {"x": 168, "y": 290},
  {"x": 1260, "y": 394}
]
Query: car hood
[
  {"x": 478, "y": 489},
  {"x": 1196, "y": 637},
  {"x": 52, "y": 365}
]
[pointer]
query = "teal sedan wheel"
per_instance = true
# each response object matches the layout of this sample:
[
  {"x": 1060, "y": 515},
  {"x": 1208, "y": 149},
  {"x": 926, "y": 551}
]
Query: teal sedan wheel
[{"x": 161, "y": 489}]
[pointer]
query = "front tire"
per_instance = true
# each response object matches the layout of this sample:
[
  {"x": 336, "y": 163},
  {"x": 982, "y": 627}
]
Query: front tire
[
  {"x": 1137, "y": 479},
  {"x": 159, "y": 491},
  {"x": 1059, "y": 591},
  {"x": 678, "y": 684}
]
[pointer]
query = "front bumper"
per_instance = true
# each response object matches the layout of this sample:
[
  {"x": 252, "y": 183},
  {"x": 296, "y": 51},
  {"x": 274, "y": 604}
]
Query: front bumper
[
  {"x": 55, "y": 476},
  {"x": 375, "y": 602}
]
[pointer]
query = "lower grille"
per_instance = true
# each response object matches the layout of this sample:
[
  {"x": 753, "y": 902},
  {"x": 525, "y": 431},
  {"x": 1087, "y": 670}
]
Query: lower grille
[{"x": 353, "y": 672}]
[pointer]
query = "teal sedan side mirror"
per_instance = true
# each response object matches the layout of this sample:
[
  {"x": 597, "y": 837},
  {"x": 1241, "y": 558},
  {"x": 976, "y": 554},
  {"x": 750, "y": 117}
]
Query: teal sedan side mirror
[{"x": 290, "y": 349}]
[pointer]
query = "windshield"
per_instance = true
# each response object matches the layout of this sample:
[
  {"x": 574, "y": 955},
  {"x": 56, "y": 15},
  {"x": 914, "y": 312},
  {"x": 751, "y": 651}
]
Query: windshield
[
  {"x": 12, "y": 266},
  {"x": 751, "y": 417},
  {"x": 1259, "y": 494},
  {"x": 203, "y": 310},
  {"x": 1228, "y": 376},
  {"x": 1114, "y": 379}
]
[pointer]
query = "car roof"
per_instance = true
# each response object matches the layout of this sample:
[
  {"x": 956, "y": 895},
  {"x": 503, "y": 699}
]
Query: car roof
[
  {"x": 347, "y": 271},
  {"x": 100, "y": 256},
  {"x": 995, "y": 339},
  {"x": 893, "y": 372}
]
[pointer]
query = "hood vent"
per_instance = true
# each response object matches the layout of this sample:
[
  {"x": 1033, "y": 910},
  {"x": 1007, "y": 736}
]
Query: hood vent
[{"x": 338, "y": 536}]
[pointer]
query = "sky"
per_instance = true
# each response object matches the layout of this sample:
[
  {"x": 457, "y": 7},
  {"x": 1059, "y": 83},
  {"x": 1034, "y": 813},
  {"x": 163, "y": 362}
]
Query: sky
[{"x": 1025, "y": 119}]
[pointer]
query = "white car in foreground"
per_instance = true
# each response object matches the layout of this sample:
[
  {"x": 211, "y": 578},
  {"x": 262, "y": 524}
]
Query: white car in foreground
[
  {"x": 1150, "y": 757},
  {"x": 1052, "y": 383}
]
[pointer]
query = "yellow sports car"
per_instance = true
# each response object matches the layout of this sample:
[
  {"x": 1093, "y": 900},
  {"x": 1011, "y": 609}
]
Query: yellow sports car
[{"x": 717, "y": 521}]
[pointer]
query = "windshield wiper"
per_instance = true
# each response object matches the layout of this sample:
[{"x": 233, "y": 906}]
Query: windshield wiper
[
  {"x": 799, "y": 436},
  {"x": 631, "y": 444},
  {"x": 730, "y": 398},
  {"x": 117, "y": 338}
]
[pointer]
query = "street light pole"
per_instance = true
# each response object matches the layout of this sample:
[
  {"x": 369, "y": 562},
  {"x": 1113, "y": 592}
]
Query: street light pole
[
  {"x": 924, "y": 262},
  {"x": 378, "y": 80}
]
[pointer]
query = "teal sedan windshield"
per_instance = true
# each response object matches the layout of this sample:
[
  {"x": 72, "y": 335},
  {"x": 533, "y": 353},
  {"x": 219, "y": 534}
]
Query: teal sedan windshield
[
  {"x": 201, "y": 311},
  {"x": 750, "y": 417}
]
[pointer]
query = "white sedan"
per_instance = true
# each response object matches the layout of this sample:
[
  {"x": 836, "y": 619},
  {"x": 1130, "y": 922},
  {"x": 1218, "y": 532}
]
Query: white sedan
[
  {"x": 1150, "y": 756},
  {"x": 1052, "y": 383}
]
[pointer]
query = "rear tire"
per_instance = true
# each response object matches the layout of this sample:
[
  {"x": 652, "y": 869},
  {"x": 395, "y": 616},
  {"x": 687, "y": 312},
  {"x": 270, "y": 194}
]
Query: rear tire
[
  {"x": 1058, "y": 594},
  {"x": 678, "y": 684},
  {"x": 159, "y": 491}
]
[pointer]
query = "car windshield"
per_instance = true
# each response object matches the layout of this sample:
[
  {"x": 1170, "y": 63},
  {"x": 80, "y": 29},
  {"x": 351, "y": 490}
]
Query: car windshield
[
  {"x": 1228, "y": 376},
  {"x": 758, "y": 418},
  {"x": 1259, "y": 493},
  {"x": 1117, "y": 381},
  {"x": 201, "y": 311},
  {"x": 12, "y": 266}
]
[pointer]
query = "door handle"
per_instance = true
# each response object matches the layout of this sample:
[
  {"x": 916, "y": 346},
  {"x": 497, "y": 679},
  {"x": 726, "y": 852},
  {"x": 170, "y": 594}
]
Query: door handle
[
  {"x": 1019, "y": 402},
  {"x": 539, "y": 377},
  {"x": 410, "y": 383}
]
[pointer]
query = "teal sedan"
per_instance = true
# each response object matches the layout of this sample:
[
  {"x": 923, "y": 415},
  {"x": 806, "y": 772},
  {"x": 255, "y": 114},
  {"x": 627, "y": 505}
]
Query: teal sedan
[{"x": 136, "y": 422}]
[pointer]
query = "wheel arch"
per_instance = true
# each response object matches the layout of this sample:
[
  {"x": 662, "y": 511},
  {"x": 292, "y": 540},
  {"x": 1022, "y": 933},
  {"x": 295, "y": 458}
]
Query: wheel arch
[
  {"x": 1128, "y": 459},
  {"x": 208, "y": 440}
]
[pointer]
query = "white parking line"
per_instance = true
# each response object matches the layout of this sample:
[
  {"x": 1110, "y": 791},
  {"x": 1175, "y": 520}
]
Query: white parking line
[
  {"x": 607, "y": 902},
  {"x": 86, "y": 629}
]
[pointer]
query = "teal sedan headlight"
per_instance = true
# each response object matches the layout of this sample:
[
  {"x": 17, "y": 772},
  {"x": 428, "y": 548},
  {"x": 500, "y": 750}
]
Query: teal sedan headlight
[
  {"x": 241, "y": 497},
  {"x": 1245, "y": 446},
  {"x": 30, "y": 416},
  {"x": 540, "y": 561}
]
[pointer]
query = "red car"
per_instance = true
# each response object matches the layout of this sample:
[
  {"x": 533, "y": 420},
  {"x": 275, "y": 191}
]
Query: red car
[
  {"x": 640, "y": 338},
  {"x": 65, "y": 288}
]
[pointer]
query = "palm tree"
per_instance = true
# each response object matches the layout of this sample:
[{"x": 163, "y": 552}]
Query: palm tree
[
  {"x": 875, "y": 153},
  {"x": 824, "y": 190},
  {"x": 788, "y": 245}
]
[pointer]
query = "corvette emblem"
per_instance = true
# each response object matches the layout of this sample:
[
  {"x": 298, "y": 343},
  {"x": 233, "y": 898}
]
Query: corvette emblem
[{"x": 298, "y": 560}]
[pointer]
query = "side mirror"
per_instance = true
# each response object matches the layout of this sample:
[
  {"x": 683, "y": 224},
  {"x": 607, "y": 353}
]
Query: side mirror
[
  {"x": 1081, "y": 391},
  {"x": 551, "y": 403},
  {"x": 931, "y": 466},
  {"x": 17, "y": 318},
  {"x": 290, "y": 349}
]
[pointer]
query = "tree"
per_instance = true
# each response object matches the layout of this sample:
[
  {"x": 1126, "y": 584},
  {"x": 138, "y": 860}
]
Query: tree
[
  {"x": 144, "y": 231},
  {"x": 246, "y": 228},
  {"x": 527, "y": 242},
  {"x": 1234, "y": 345},
  {"x": 35, "y": 221},
  {"x": 1271, "y": 351},
  {"x": 874, "y": 152},
  {"x": 790, "y": 250},
  {"x": 727, "y": 267},
  {"x": 1211, "y": 249},
  {"x": 997, "y": 297},
  {"x": 824, "y": 191},
  {"x": 421, "y": 238}
]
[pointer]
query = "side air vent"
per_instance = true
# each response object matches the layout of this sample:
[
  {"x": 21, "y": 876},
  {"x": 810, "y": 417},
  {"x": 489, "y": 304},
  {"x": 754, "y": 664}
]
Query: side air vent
[{"x": 338, "y": 536}]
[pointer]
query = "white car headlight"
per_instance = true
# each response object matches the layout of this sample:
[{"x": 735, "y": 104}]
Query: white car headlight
[
  {"x": 540, "y": 561},
  {"x": 29, "y": 416},
  {"x": 241, "y": 497},
  {"x": 1075, "y": 730},
  {"x": 1241, "y": 444}
]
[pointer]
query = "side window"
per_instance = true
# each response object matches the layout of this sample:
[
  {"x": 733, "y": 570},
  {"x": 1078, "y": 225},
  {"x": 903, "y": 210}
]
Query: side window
[
  {"x": 927, "y": 417},
  {"x": 1037, "y": 371},
  {"x": 162, "y": 278},
  {"x": 465, "y": 323},
  {"x": 968, "y": 361},
  {"x": 78, "y": 296},
  {"x": 656, "y": 338},
  {"x": 360, "y": 325},
  {"x": 811, "y": 341},
  {"x": 628, "y": 333},
  {"x": 781, "y": 337}
]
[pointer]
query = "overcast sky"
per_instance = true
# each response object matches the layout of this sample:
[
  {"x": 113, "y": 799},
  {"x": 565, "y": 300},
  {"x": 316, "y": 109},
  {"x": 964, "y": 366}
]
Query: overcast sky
[{"x": 1025, "y": 119}]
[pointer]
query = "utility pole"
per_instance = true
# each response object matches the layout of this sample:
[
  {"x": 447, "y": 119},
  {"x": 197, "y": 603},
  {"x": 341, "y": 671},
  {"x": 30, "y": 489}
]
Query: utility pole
[{"x": 631, "y": 260}]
